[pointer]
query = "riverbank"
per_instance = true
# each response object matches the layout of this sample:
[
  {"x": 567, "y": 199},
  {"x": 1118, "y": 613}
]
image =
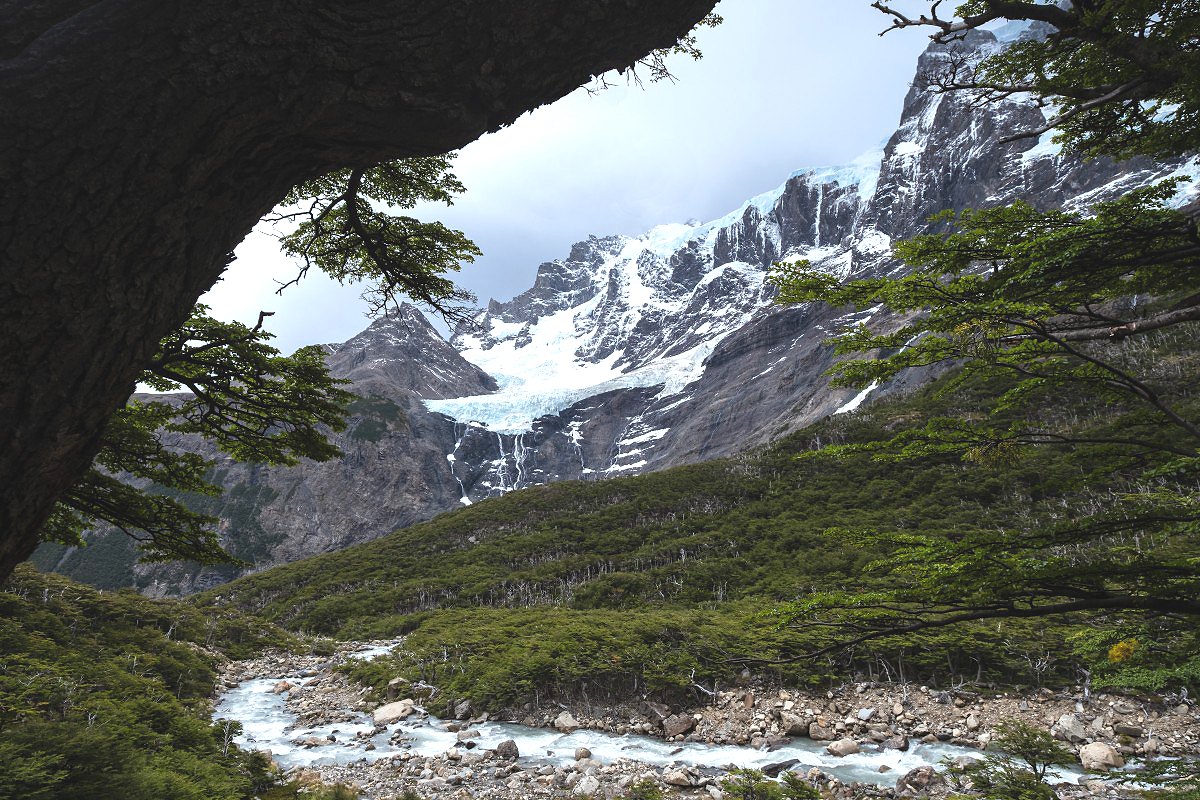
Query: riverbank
[{"x": 888, "y": 726}]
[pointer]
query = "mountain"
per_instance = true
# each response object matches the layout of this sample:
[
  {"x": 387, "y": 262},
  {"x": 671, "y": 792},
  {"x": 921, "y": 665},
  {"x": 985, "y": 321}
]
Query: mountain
[{"x": 633, "y": 353}]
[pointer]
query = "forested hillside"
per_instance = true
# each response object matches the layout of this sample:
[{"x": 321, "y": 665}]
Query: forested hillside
[{"x": 575, "y": 584}]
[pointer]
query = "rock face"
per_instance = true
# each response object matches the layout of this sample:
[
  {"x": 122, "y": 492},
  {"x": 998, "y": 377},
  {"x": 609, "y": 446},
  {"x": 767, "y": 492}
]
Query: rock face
[{"x": 634, "y": 354}]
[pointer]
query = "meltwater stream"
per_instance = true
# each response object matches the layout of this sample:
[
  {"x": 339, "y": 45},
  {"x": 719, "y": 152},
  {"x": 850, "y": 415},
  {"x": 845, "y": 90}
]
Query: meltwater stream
[{"x": 268, "y": 725}]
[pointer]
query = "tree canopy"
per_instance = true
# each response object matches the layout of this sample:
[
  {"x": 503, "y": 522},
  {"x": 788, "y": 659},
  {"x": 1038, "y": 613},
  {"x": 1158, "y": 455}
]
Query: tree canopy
[{"x": 1072, "y": 330}]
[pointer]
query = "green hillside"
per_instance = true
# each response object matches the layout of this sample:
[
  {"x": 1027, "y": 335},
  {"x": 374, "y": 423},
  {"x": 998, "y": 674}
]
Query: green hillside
[{"x": 656, "y": 582}]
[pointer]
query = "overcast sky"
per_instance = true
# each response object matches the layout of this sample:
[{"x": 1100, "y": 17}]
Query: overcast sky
[{"x": 783, "y": 85}]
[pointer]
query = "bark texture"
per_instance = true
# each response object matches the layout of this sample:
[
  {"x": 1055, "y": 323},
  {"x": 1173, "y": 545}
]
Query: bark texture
[{"x": 143, "y": 139}]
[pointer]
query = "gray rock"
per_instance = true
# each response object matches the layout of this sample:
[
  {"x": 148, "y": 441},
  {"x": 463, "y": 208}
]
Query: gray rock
[
  {"x": 393, "y": 712},
  {"x": 920, "y": 781},
  {"x": 508, "y": 750},
  {"x": 1100, "y": 757},
  {"x": 581, "y": 753},
  {"x": 678, "y": 724},
  {"x": 1070, "y": 728},
  {"x": 588, "y": 785},
  {"x": 566, "y": 723},
  {"x": 819, "y": 732},
  {"x": 793, "y": 724},
  {"x": 865, "y": 714},
  {"x": 842, "y": 747},
  {"x": 462, "y": 710},
  {"x": 679, "y": 777},
  {"x": 1126, "y": 729},
  {"x": 895, "y": 743}
]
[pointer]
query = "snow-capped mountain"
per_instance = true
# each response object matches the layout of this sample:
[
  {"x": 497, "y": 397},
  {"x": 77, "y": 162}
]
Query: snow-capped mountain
[{"x": 639, "y": 353}]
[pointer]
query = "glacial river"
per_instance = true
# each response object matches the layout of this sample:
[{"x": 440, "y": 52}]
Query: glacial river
[{"x": 268, "y": 725}]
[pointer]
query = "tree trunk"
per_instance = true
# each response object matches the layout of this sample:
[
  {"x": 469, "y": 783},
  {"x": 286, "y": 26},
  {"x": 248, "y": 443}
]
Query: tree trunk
[{"x": 143, "y": 139}]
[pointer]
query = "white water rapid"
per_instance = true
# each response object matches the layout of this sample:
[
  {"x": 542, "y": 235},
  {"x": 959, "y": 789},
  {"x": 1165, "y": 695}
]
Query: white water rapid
[{"x": 269, "y": 726}]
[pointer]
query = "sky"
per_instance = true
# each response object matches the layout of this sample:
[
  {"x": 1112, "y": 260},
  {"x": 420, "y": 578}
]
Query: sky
[{"x": 784, "y": 85}]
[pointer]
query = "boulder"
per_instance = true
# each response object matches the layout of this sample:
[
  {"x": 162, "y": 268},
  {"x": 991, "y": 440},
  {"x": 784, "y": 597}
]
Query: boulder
[
  {"x": 793, "y": 724},
  {"x": 865, "y": 714},
  {"x": 679, "y": 777},
  {"x": 588, "y": 785},
  {"x": 395, "y": 686},
  {"x": 819, "y": 733},
  {"x": 1126, "y": 729},
  {"x": 919, "y": 781},
  {"x": 393, "y": 712},
  {"x": 462, "y": 710},
  {"x": 581, "y": 753},
  {"x": 677, "y": 724},
  {"x": 1100, "y": 757},
  {"x": 842, "y": 747},
  {"x": 895, "y": 743},
  {"x": 464, "y": 736},
  {"x": 508, "y": 750},
  {"x": 972, "y": 722},
  {"x": 773, "y": 770},
  {"x": 657, "y": 712},
  {"x": 1070, "y": 728},
  {"x": 566, "y": 723},
  {"x": 281, "y": 687}
]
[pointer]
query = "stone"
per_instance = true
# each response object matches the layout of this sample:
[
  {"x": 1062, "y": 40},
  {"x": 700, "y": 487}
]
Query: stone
[
  {"x": 793, "y": 724},
  {"x": 581, "y": 753},
  {"x": 972, "y": 723},
  {"x": 281, "y": 687},
  {"x": 773, "y": 770},
  {"x": 920, "y": 781},
  {"x": 566, "y": 723},
  {"x": 819, "y": 733},
  {"x": 895, "y": 743},
  {"x": 865, "y": 714},
  {"x": 714, "y": 792},
  {"x": 1100, "y": 757},
  {"x": 588, "y": 785},
  {"x": 657, "y": 712},
  {"x": 897, "y": 710},
  {"x": 393, "y": 712},
  {"x": 842, "y": 747},
  {"x": 1070, "y": 728},
  {"x": 677, "y": 724},
  {"x": 462, "y": 710},
  {"x": 678, "y": 777},
  {"x": 464, "y": 736},
  {"x": 1125, "y": 729}
]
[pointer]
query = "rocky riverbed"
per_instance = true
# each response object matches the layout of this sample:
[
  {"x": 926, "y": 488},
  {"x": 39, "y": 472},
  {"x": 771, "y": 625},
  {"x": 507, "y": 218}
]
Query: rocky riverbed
[{"x": 864, "y": 739}]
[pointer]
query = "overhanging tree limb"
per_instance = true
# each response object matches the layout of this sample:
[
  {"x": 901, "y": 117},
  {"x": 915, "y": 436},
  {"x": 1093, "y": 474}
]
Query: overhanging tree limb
[{"x": 143, "y": 141}]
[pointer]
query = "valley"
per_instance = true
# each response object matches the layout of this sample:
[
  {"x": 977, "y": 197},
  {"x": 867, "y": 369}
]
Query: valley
[{"x": 883, "y": 485}]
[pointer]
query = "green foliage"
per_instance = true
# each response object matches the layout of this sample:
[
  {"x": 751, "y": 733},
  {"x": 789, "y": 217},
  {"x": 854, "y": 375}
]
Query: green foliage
[
  {"x": 105, "y": 694},
  {"x": 1069, "y": 330},
  {"x": 1016, "y": 764},
  {"x": 562, "y": 582},
  {"x": 1123, "y": 75},
  {"x": 751, "y": 784},
  {"x": 254, "y": 403},
  {"x": 379, "y": 415},
  {"x": 643, "y": 790},
  {"x": 345, "y": 227}
]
